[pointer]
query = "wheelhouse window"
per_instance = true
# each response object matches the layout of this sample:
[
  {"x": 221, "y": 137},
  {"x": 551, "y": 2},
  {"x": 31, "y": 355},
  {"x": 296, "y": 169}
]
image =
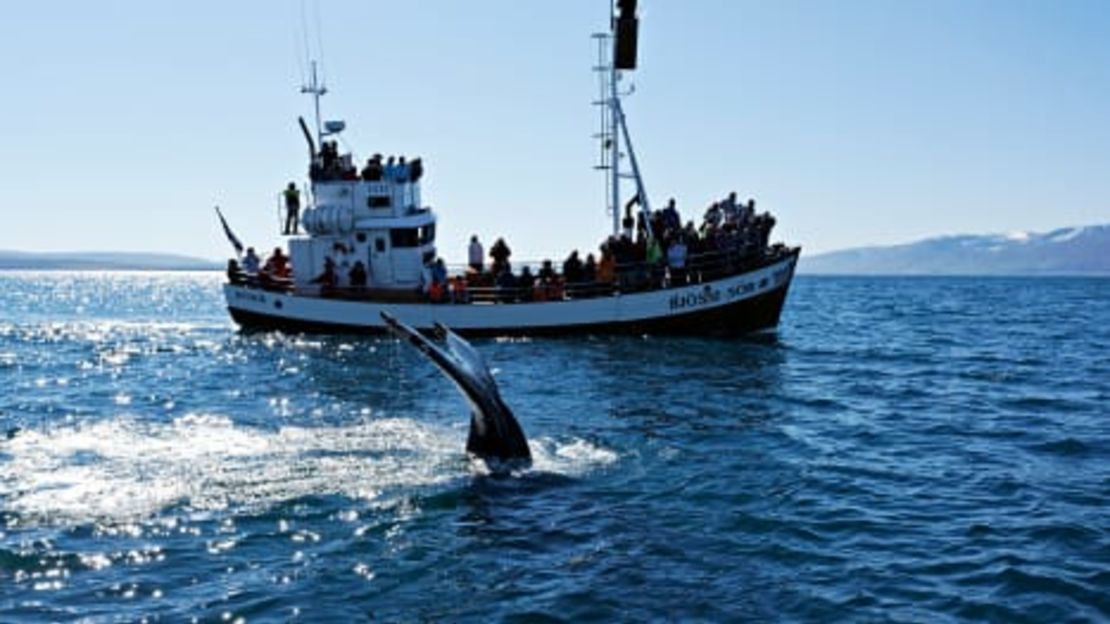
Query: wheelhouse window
[
  {"x": 428, "y": 234},
  {"x": 405, "y": 237},
  {"x": 379, "y": 201}
]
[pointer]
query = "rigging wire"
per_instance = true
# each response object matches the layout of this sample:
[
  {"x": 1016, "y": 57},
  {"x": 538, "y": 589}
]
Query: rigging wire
[
  {"x": 304, "y": 35},
  {"x": 320, "y": 46},
  {"x": 297, "y": 51}
]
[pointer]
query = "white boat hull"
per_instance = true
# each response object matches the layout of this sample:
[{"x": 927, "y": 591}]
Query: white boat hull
[{"x": 736, "y": 304}]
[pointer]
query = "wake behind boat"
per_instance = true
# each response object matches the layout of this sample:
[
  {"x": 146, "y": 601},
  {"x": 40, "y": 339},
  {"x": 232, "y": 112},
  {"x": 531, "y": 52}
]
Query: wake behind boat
[{"x": 369, "y": 246}]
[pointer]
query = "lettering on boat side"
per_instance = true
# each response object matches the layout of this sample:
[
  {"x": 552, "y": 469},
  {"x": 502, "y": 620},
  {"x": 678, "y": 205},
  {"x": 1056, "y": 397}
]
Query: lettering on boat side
[
  {"x": 695, "y": 298},
  {"x": 709, "y": 295},
  {"x": 737, "y": 291},
  {"x": 250, "y": 296}
]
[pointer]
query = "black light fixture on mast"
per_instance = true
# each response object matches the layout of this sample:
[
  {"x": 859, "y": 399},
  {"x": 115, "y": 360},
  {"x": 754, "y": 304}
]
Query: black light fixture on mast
[{"x": 625, "y": 29}]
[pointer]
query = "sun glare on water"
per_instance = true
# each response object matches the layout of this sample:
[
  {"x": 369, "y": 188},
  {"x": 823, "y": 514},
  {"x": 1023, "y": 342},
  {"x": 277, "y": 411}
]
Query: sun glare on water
[{"x": 125, "y": 470}]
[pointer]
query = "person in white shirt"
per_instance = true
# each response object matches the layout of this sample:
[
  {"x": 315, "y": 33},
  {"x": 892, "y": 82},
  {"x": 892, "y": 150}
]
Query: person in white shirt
[
  {"x": 476, "y": 254},
  {"x": 251, "y": 262},
  {"x": 676, "y": 261}
]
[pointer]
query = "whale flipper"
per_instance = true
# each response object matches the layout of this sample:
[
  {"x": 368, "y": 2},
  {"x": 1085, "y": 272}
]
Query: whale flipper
[{"x": 495, "y": 433}]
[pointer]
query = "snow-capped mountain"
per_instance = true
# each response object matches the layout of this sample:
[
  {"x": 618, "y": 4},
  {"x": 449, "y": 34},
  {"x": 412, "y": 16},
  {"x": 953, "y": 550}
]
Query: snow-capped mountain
[{"x": 1066, "y": 251}]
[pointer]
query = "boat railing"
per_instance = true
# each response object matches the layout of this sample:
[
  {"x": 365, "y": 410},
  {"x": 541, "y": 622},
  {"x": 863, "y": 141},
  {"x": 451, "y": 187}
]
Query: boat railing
[{"x": 628, "y": 278}]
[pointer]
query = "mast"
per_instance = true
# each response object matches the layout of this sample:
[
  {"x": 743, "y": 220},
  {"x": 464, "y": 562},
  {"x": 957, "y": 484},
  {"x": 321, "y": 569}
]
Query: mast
[
  {"x": 617, "y": 52},
  {"x": 615, "y": 154},
  {"x": 609, "y": 155},
  {"x": 316, "y": 89},
  {"x": 645, "y": 205}
]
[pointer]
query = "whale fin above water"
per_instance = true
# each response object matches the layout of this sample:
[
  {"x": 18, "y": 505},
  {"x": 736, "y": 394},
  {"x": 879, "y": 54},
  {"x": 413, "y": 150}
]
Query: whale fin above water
[
  {"x": 495, "y": 433},
  {"x": 468, "y": 355}
]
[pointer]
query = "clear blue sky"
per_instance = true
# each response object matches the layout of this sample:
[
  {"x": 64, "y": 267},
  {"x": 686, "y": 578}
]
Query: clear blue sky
[{"x": 856, "y": 122}]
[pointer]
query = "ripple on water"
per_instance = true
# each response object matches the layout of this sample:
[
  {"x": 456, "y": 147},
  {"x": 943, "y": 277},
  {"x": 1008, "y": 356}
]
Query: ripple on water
[{"x": 903, "y": 450}]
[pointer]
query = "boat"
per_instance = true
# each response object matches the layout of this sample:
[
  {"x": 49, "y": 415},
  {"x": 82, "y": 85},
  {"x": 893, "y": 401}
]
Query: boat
[{"x": 366, "y": 244}]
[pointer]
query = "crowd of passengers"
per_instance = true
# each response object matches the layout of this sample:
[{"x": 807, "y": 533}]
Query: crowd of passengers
[
  {"x": 656, "y": 252},
  {"x": 275, "y": 273},
  {"x": 330, "y": 165}
]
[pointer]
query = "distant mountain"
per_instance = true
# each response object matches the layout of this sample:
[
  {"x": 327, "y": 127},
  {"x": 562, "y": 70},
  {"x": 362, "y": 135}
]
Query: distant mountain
[
  {"x": 102, "y": 261},
  {"x": 1067, "y": 251}
]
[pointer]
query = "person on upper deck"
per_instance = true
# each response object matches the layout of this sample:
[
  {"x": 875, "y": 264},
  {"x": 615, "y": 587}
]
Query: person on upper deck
[
  {"x": 401, "y": 173},
  {"x": 329, "y": 160},
  {"x": 730, "y": 208},
  {"x": 714, "y": 215},
  {"x": 292, "y": 208},
  {"x": 746, "y": 213},
  {"x": 500, "y": 253},
  {"x": 372, "y": 172},
  {"x": 475, "y": 254},
  {"x": 671, "y": 220}
]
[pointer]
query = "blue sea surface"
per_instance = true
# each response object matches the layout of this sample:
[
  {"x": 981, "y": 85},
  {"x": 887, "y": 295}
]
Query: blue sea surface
[{"x": 902, "y": 450}]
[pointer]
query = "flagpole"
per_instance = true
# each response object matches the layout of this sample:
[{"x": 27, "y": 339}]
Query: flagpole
[{"x": 231, "y": 238}]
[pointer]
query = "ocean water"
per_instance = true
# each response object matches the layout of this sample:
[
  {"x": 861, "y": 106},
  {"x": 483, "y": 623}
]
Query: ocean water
[{"x": 902, "y": 450}]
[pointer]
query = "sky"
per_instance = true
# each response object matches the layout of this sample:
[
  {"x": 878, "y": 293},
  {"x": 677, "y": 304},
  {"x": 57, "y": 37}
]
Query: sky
[{"x": 856, "y": 122}]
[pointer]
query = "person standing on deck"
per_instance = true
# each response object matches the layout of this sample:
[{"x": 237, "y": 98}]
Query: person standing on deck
[
  {"x": 500, "y": 253},
  {"x": 292, "y": 209},
  {"x": 676, "y": 262},
  {"x": 476, "y": 254}
]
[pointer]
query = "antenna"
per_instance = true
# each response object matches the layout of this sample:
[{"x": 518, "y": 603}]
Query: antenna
[
  {"x": 317, "y": 89},
  {"x": 315, "y": 85},
  {"x": 320, "y": 43}
]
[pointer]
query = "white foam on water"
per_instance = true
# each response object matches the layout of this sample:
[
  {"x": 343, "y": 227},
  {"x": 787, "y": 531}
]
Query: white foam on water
[
  {"x": 573, "y": 458},
  {"x": 124, "y": 470}
]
